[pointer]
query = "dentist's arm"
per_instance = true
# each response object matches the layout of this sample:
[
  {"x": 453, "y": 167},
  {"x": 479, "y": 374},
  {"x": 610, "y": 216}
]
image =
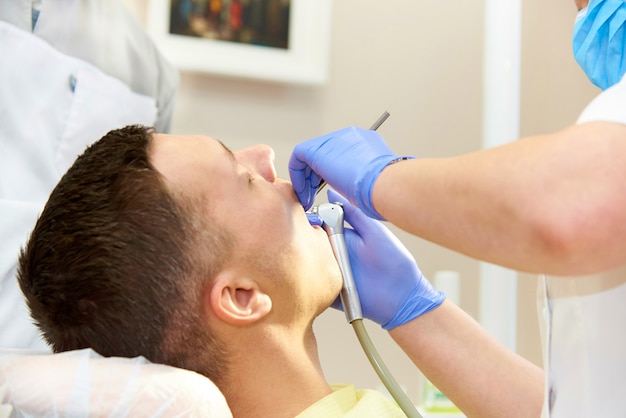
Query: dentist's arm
[
  {"x": 481, "y": 376},
  {"x": 552, "y": 203}
]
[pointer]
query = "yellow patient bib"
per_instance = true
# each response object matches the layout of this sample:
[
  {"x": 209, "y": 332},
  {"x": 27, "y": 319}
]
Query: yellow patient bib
[{"x": 347, "y": 402}]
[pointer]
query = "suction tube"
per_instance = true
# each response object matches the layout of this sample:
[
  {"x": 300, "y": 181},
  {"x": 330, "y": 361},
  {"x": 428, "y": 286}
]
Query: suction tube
[{"x": 332, "y": 218}]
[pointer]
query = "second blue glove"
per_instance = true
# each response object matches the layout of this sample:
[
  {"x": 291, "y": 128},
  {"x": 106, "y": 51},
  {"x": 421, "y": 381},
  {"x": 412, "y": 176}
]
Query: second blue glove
[
  {"x": 391, "y": 287},
  {"x": 349, "y": 160}
]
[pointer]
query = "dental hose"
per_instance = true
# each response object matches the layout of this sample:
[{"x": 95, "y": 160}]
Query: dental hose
[
  {"x": 383, "y": 373},
  {"x": 332, "y": 217}
]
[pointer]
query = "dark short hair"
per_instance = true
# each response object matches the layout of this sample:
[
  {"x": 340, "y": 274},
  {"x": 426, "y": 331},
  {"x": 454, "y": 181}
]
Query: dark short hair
[{"x": 117, "y": 261}]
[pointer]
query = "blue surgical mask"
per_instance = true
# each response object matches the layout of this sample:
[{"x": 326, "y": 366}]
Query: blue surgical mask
[{"x": 599, "y": 41}]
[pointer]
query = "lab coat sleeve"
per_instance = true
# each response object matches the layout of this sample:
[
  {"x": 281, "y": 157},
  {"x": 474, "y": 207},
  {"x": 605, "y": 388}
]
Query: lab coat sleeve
[
  {"x": 106, "y": 35},
  {"x": 47, "y": 118}
]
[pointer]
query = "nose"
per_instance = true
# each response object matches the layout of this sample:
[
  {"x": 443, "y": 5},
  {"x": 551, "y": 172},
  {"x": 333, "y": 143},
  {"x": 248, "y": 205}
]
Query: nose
[{"x": 259, "y": 158}]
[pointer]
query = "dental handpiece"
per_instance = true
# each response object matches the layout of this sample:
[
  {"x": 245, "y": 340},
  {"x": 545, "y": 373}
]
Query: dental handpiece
[
  {"x": 374, "y": 127},
  {"x": 332, "y": 217}
]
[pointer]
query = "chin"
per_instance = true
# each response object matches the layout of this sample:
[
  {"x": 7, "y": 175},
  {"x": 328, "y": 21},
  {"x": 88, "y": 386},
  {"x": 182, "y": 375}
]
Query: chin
[
  {"x": 330, "y": 274},
  {"x": 337, "y": 277},
  {"x": 319, "y": 238}
]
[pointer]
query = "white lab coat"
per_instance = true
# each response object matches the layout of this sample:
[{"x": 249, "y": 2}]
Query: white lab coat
[
  {"x": 585, "y": 321},
  {"x": 84, "y": 69}
]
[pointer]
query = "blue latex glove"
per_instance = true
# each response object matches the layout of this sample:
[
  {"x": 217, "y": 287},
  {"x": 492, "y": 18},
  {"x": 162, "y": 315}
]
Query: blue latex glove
[
  {"x": 391, "y": 287},
  {"x": 349, "y": 160}
]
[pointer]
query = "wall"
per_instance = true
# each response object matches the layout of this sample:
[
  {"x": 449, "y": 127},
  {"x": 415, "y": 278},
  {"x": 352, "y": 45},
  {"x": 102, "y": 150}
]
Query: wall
[{"x": 422, "y": 62}]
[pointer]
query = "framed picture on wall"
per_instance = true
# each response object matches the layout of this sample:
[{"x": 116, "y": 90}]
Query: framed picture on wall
[{"x": 283, "y": 41}]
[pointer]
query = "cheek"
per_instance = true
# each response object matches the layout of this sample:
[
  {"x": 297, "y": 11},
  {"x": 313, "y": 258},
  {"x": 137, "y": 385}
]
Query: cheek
[
  {"x": 277, "y": 238},
  {"x": 319, "y": 254},
  {"x": 264, "y": 218}
]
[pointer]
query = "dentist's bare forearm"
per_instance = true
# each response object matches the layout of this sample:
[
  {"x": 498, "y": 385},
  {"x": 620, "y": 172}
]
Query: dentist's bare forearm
[
  {"x": 480, "y": 375},
  {"x": 551, "y": 204}
]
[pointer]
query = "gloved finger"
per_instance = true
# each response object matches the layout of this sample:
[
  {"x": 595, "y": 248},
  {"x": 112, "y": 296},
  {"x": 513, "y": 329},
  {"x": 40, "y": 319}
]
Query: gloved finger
[
  {"x": 337, "y": 304},
  {"x": 301, "y": 162},
  {"x": 298, "y": 178},
  {"x": 300, "y": 171},
  {"x": 314, "y": 219},
  {"x": 307, "y": 196},
  {"x": 353, "y": 215},
  {"x": 305, "y": 186},
  {"x": 298, "y": 160},
  {"x": 335, "y": 197},
  {"x": 301, "y": 186}
]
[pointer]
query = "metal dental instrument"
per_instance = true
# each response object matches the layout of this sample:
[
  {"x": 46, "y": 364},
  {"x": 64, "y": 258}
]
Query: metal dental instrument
[
  {"x": 332, "y": 217},
  {"x": 374, "y": 127},
  {"x": 380, "y": 121}
]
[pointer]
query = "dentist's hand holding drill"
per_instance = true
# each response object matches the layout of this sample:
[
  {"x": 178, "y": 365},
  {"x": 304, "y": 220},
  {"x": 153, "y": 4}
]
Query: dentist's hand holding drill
[
  {"x": 392, "y": 289},
  {"x": 445, "y": 343},
  {"x": 350, "y": 160},
  {"x": 391, "y": 286}
]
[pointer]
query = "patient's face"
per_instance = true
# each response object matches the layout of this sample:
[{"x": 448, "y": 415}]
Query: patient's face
[{"x": 273, "y": 238}]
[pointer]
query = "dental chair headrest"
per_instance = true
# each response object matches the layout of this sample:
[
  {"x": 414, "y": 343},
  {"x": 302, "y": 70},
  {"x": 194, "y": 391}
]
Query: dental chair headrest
[{"x": 82, "y": 383}]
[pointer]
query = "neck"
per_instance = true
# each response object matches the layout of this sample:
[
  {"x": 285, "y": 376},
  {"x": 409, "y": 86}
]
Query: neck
[{"x": 276, "y": 374}]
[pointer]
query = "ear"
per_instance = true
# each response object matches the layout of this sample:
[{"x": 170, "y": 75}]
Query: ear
[{"x": 238, "y": 300}]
